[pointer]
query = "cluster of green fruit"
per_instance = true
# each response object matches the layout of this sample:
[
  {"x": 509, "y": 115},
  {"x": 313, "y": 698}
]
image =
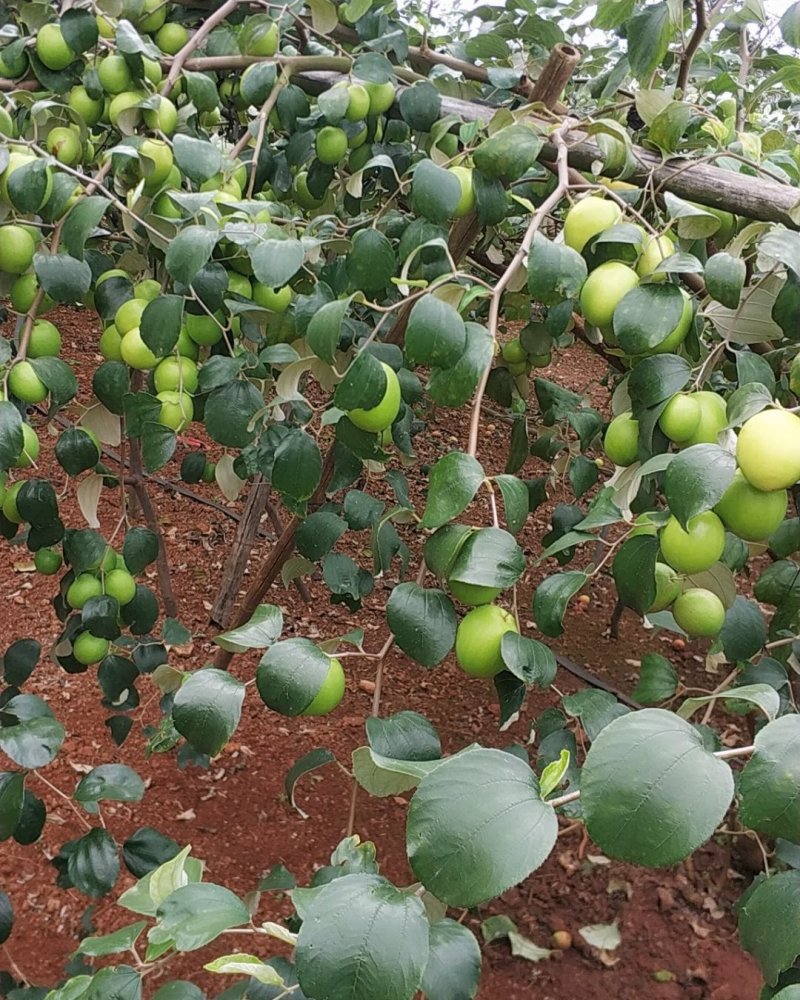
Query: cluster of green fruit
[
  {"x": 611, "y": 280},
  {"x": 532, "y": 349},
  {"x": 111, "y": 578},
  {"x": 752, "y": 507}
]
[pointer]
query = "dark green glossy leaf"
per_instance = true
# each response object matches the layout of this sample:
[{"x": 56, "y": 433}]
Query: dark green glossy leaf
[
  {"x": 476, "y": 826},
  {"x": 423, "y": 622},
  {"x": 454, "y": 481},
  {"x": 360, "y": 939},
  {"x": 207, "y": 709},
  {"x": 651, "y": 793},
  {"x": 551, "y": 599},
  {"x": 696, "y": 479}
]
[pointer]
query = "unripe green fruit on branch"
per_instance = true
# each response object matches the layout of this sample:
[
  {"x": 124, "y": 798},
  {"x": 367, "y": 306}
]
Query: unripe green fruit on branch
[{"x": 479, "y": 638}]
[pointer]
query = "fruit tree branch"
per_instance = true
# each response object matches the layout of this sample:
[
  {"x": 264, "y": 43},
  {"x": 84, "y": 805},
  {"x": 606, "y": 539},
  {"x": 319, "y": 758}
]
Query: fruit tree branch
[
  {"x": 538, "y": 218},
  {"x": 556, "y": 73},
  {"x": 700, "y": 29},
  {"x": 754, "y": 198},
  {"x": 195, "y": 41}
]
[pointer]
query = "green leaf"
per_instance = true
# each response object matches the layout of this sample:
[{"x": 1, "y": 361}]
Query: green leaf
[
  {"x": 158, "y": 444},
  {"x": 725, "y": 276},
  {"x": 364, "y": 384},
  {"x": 651, "y": 793},
  {"x": 360, "y": 939},
  {"x": 476, "y": 826},
  {"x": 420, "y": 105},
  {"x": 27, "y": 185},
  {"x": 298, "y": 465},
  {"x": 751, "y": 322},
  {"x": 769, "y": 924},
  {"x": 454, "y": 962},
  {"x": 555, "y": 271},
  {"x": 361, "y": 511},
  {"x": 6, "y": 917},
  {"x": 92, "y": 862},
  {"x": 325, "y": 329},
  {"x": 115, "y": 782},
  {"x": 435, "y": 334},
  {"x": 32, "y": 737},
  {"x": 435, "y": 191},
  {"x": 118, "y": 982},
  {"x": 790, "y": 30},
  {"x": 64, "y": 278},
  {"x": 146, "y": 849},
  {"x": 11, "y": 439},
  {"x": 276, "y": 261},
  {"x": 554, "y": 774},
  {"x": 76, "y": 451},
  {"x": 262, "y": 630},
  {"x": 764, "y": 696},
  {"x": 190, "y": 251},
  {"x": 161, "y": 323},
  {"x": 667, "y": 129},
  {"x": 346, "y": 579},
  {"x": 454, "y": 481},
  {"x": 371, "y": 261},
  {"x": 256, "y": 85},
  {"x": 112, "y": 944},
  {"x": 197, "y": 159},
  {"x": 81, "y": 222},
  {"x": 423, "y": 622},
  {"x": 19, "y": 660},
  {"x": 196, "y": 914},
  {"x": 139, "y": 549},
  {"x": 317, "y": 535},
  {"x": 489, "y": 557},
  {"x": 308, "y": 762},
  {"x": 229, "y": 410},
  {"x": 634, "y": 572},
  {"x": 744, "y": 630},
  {"x": 509, "y": 153},
  {"x": 528, "y": 660},
  {"x": 515, "y": 501},
  {"x": 595, "y": 709},
  {"x": 658, "y": 680},
  {"x": 746, "y": 401},
  {"x": 79, "y": 28},
  {"x": 551, "y": 599},
  {"x": 647, "y": 315},
  {"x": 290, "y": 675},
  {"x": 404, "y": 736},
  {"x": 12, "y": 793},
  {"x": 373, "y": 67},
  {"x": 37, "y": 502},
  {"x": 454, "y": 386},
  {"x": 657, "y": 378},
  {"x": 207, "y": 709},
  {"x": 240, "y": 964},
  {"x": 383, "y": 776},
  {"x": 769, "y": 785},
  {"x": 752, "y": 367},
  {"x": 649, "y": 34},
  {"x": 696, "y": 479}
]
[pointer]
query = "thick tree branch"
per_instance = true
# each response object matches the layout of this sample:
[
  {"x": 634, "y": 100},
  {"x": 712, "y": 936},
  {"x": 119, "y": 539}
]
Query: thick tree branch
[{"x": 554, "y": 77}]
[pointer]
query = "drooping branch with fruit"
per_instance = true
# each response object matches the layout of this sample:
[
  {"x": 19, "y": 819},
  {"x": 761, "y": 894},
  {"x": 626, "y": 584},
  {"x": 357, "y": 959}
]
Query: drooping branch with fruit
[{"x": 302, "y": 229}]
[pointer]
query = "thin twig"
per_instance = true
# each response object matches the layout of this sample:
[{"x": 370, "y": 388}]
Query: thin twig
[
  {"x": 700, "y": 29},
  {"x": 522, "y": 251},
  {"x": 194, "y": 42}
]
